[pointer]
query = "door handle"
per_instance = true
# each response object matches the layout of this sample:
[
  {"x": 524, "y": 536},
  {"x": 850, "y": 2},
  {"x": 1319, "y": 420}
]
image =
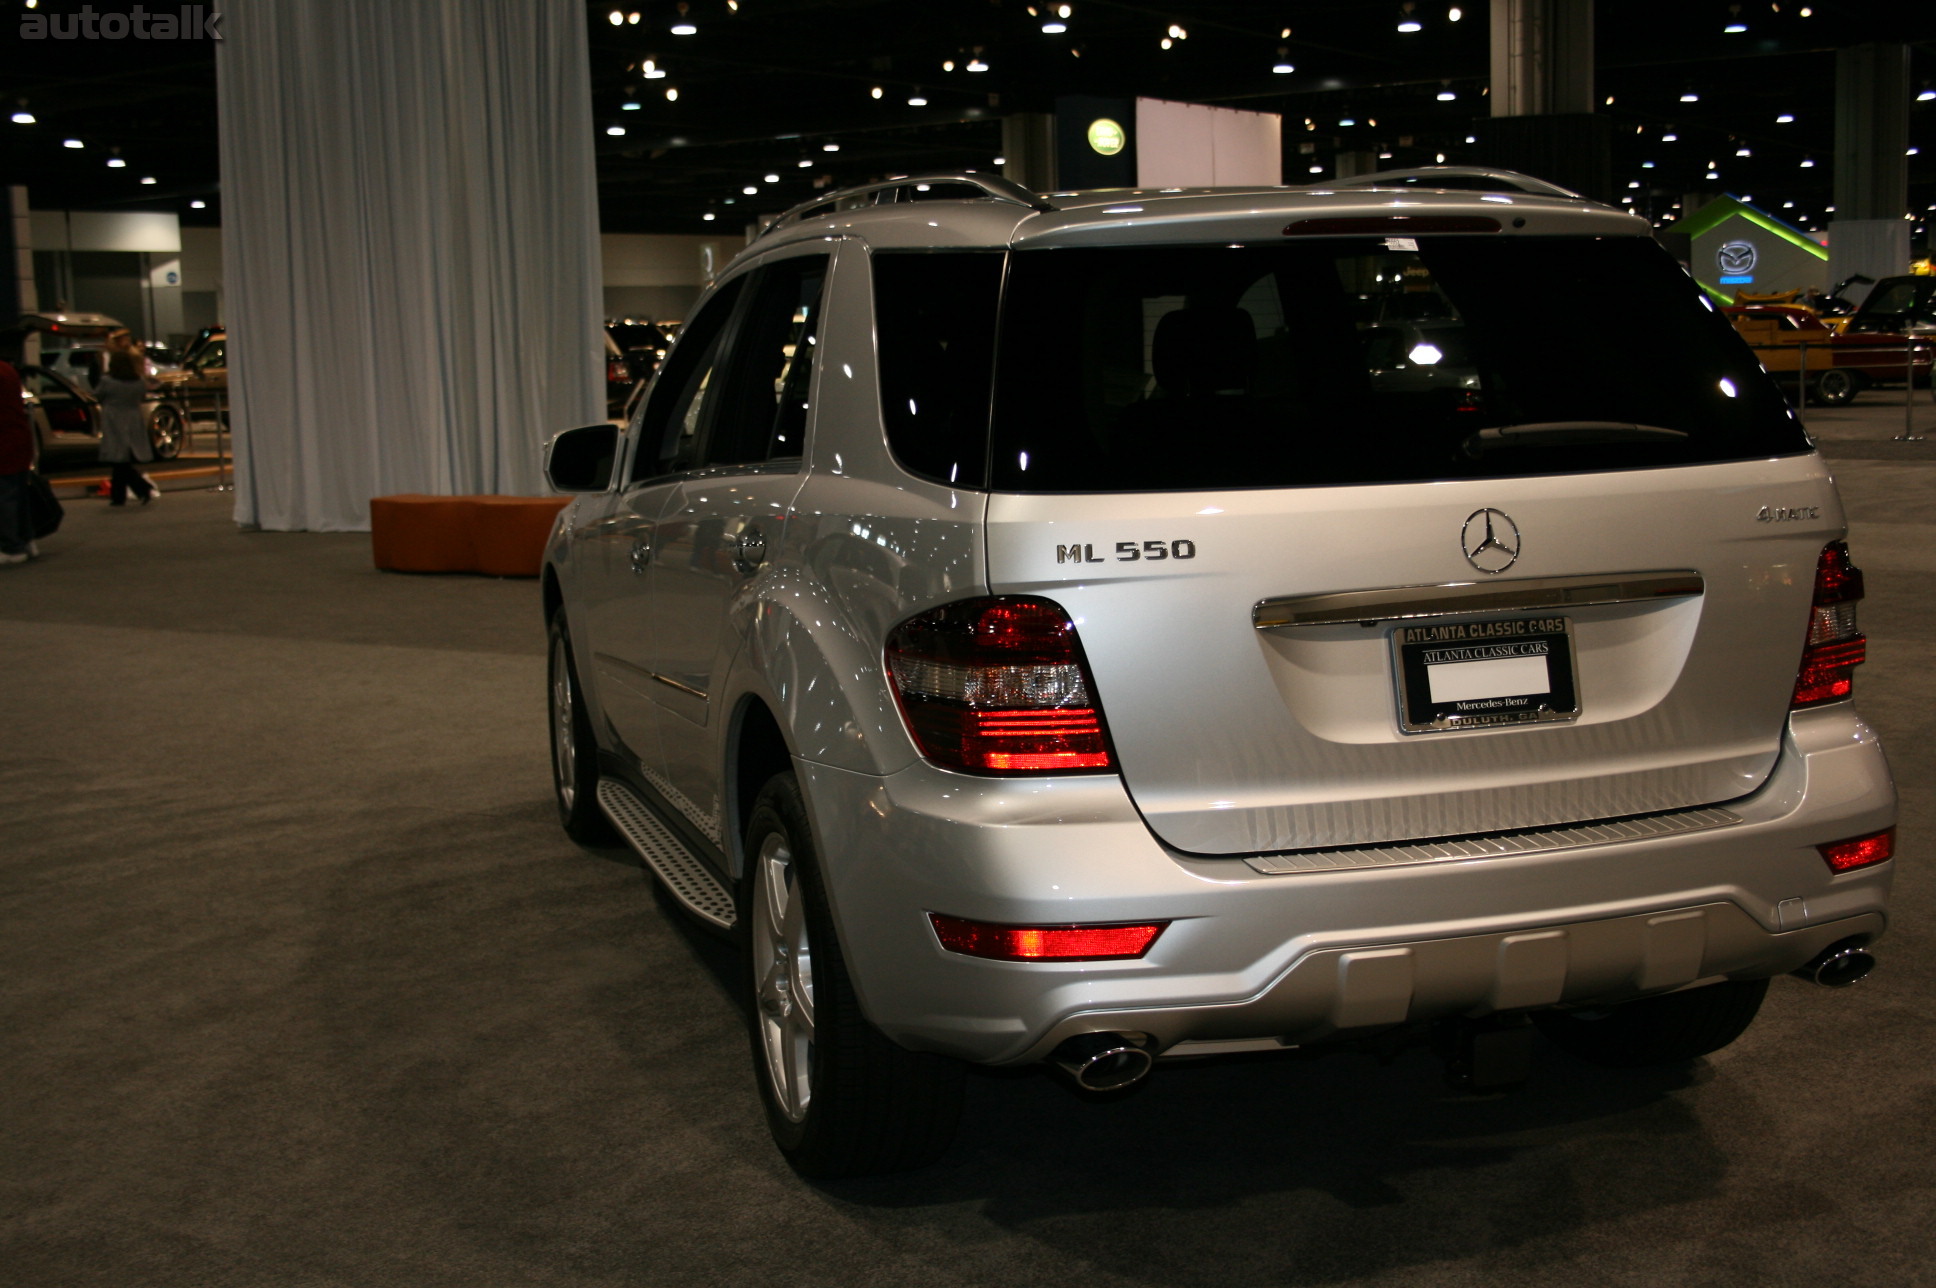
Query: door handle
[{"x": 641, "y": 554}]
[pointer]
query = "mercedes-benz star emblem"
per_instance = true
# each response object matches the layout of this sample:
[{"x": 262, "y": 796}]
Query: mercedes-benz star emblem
[{"x": 1490, "y": 540}]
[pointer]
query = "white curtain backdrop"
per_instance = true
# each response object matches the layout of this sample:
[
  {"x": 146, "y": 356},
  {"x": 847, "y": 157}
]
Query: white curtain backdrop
[{"x": 410, "y": 249}]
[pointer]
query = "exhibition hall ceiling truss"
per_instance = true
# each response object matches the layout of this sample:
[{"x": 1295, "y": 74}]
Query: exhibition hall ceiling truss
[{"x": 711, "y": 113}]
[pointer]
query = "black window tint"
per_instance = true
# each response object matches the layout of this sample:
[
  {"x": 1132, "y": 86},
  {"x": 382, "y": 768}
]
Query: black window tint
[
  {"x": 1363, "y": 361},
  {"x": 762, "y": 412},
  {"x": 935, "y": 333},
  {"x": 669, "y": 429}
]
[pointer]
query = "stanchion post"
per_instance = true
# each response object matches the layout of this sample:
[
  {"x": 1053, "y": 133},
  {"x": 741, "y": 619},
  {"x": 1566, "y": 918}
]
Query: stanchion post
[
  {"x": 222, "y": 483},
  {"x": 1909, "y": 434},
  {"x": 1801, "y": 386}
]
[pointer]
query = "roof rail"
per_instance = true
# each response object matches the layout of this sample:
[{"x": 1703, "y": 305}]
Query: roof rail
[
  {"x": 993, "y": 186},
  {"x": 1469, "y": 177}
]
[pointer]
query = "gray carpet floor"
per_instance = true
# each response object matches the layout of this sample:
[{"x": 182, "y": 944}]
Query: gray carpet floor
[{"x": 301, "y": 985}]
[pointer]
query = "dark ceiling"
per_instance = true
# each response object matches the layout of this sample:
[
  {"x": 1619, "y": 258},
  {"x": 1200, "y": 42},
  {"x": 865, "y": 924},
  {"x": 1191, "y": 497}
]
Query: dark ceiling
[{"x": 768, "y": 85}]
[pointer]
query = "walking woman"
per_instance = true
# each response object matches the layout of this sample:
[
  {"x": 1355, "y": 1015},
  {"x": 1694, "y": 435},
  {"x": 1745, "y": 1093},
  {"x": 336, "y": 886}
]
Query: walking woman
[{"x": 124, "y": 432}]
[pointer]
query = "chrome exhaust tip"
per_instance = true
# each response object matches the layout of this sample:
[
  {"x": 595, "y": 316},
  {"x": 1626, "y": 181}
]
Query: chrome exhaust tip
[
  {"x": 1102, "y": 1061},
  {"x": 1839, "y": 965}
]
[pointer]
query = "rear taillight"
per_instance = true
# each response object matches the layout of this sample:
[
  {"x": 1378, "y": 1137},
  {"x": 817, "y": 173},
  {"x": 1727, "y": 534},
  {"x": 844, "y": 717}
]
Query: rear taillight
[
  {"x": 1835, "y": 647},
  {"x": 1044, "y": 943},
  {"x": 998, "y": 686}
]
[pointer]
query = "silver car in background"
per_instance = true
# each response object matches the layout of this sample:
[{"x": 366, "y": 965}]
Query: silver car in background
[{"x": 1039, "y": 630}]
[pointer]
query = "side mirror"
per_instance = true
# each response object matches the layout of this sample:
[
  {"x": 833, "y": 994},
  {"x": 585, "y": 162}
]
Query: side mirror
[{"x": 580, "y": 460}]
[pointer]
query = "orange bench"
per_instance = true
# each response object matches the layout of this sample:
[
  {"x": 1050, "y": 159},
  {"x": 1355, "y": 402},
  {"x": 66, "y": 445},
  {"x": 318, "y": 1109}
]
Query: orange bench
[{"x": 500, "y": 536}]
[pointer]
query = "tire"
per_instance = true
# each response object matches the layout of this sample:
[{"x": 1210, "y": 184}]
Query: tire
[
  {"x": 574, "y": 748},
  {"x": 1670, "y": 1029},
  {"x": 1835, "y": 387},
  {"x": 169, "y": 433},
  {"x": 841, "y": 1099}
]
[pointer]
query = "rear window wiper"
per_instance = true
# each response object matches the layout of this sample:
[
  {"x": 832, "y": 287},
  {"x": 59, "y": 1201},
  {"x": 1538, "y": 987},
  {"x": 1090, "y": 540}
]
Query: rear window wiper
[{"x": 1565, "y": 433}]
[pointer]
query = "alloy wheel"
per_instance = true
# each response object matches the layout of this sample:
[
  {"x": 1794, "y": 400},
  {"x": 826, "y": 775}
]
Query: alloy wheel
[{"x": 783, "y": 967}]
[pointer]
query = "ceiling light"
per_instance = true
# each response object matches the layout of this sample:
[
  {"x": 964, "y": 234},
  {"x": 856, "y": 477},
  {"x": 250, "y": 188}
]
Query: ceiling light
[
  {"x": 1347, "y": 121},
  {"x": 1923, "y": 97},
  {"x": 684, "y": 29},
  {"x": 1808, "y": 13},
  {"x": 977, "y": 65},
  {"x": 1633, "y": 183},
  {"x": 916, "y": 100},
  {"x": 618, "y": 19},
  {"x": 1786, "y": 118},
  {"x": 1283, "y": 65},
  {"x": 772, "y": 178},
  {"x": 1064, "y": 11},
  {"x": 1609, "y": 102},
  {"x": 1735, "y": 28},
  {"x": 1690, "y": 97},
  {"x": 628, "y": 107},
  {"x": 1410, "y": 25},
  {"x": 23, "y": 118},
  {"x": 116, "y": 163},
  {"x": 806, "y": 163},
  {"x": 1471, "y": 138},
  {"x": 1646, "y": 165},
  {"x": 1054, "y": 27},
  {"x": 1446, "y": 96},
  {"x": 672, "y": 94},
  {"x": 1669, "y": 137},
  {"x": 73, "y": 143},
  {"x": 750, "y": 190},
  {"x": 830, "y": 147},
  {"x": 198, "y": 205},
  {"x": 1177, "y": 33},
  {"x": 1166, "y": 42},
  {"x": 1913, "y": 152},
  {"x": 948, "y": 65},
  {"x": 1713, "y": 174},
  {"x": 1807, "y": 164},
  {"x": 1454, "y": 14},
  {"x": 708, "y": 216},
  {"x": 1317, "y": 169},
  {"x": 616, "y": 131},
  {"x": 147, "y": 178},
  {"x": 876, "y": 92}
]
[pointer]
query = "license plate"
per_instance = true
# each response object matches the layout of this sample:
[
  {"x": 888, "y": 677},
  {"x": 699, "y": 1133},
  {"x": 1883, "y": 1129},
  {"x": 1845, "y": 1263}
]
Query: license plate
[{"x": 1473, "y": 675}]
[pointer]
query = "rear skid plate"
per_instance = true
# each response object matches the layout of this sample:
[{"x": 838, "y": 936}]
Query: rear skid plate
[{"x": 691, "y": 882}]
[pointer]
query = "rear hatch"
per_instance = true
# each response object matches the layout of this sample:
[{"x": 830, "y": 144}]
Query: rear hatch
[{"x": 1365, "y": 543}]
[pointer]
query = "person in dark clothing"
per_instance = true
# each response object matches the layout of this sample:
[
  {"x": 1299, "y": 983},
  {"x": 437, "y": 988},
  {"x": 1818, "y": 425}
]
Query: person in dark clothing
[{"x": 16, "y": 459}]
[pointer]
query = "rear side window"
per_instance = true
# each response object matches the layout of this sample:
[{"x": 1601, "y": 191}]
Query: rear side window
[
  {"x": 935, "y": 337},
  {"x": 1365, "y": 360}
]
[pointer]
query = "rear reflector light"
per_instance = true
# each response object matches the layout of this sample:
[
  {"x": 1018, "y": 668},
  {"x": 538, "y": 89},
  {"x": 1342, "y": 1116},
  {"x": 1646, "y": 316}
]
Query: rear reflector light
[
  {"x": 998, "y": 686},
  {"x": 1844, "y": 856},
  {"x": 1044, "y": 943},
  {"x": 1834, "y": 647}
]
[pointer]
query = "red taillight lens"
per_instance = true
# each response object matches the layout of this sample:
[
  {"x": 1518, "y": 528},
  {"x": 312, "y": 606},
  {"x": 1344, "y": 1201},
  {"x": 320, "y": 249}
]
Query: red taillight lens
[
  {"x": 1861, "y": 851},
  {"x": 998, "y": 686},
  {"x": 1044, "y": 943},
  {"x": 1834, "y": 647}
]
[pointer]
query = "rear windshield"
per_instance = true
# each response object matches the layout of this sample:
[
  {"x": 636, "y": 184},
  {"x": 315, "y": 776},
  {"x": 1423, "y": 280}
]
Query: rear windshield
[{"x": 1354, "y": 360}]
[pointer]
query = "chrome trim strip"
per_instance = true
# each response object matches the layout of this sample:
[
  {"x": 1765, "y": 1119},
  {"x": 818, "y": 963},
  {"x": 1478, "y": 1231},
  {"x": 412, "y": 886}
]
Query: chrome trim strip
[
  {"x": 1464, "y": 598},
  {"x": 683, "y": 688},
  {"x": 1615, "y": 831}
]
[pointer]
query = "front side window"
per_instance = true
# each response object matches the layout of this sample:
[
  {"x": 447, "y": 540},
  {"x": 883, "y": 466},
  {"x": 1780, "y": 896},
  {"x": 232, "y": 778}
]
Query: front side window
[
  {"x": 669, "y": 427},
  {"x": 1362, "y": 360}
]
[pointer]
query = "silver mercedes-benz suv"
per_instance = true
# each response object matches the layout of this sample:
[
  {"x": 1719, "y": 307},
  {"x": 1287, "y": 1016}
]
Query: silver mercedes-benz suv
[{"x": 1101, "y": 628}]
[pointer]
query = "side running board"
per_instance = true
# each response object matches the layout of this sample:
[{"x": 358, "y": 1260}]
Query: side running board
[{"x": 691, "y": 882}]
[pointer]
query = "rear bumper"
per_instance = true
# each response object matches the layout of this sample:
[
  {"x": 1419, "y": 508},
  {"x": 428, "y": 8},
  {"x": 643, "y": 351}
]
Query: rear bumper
[{"x": 1301, "y": 956}]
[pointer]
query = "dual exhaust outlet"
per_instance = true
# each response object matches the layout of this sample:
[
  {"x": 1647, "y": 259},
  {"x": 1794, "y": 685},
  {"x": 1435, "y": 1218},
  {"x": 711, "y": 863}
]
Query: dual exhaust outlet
[{"x": 1112, "y": 1061}]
